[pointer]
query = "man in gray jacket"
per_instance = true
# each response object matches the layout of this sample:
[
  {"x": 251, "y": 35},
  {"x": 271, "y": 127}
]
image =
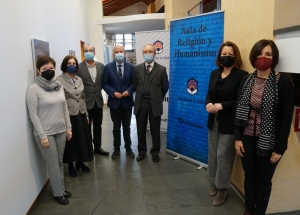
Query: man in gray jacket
[
  {"x": 91, "y": 73},
  {"x": 151, "y": 84}
]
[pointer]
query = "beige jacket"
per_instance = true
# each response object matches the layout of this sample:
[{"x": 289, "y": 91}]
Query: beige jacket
[{"x": 74, "y": 93}]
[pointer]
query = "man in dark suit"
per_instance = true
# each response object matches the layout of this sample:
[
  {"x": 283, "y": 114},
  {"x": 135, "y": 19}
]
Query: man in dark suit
[
  {"x": 91, "y": 73},
  {"x": 151, "y": 84},
  {"x": 118, "y": 84}
]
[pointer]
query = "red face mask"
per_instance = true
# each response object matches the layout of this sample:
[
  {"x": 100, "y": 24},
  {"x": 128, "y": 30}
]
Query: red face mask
[{"x": 263, "y": 63}]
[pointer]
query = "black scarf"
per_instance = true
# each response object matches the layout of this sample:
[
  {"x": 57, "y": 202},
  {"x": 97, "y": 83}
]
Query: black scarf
[{"x": 266, "y": 138}]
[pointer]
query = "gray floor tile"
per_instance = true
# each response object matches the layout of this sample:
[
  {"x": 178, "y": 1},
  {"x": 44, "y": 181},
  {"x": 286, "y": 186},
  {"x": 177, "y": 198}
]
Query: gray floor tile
[{"x": 124, "y": 186}]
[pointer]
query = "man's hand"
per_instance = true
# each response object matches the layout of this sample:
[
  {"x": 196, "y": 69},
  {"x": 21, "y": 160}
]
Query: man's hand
[
  {"x": 118, "y": 95},
  {"x": 125, "y": 93}
]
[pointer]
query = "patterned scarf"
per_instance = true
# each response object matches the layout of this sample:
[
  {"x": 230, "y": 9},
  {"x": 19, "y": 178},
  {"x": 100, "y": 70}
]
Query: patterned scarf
[
  {"x": 266, "y": 138},
  {"x": 51, "y": 85}
]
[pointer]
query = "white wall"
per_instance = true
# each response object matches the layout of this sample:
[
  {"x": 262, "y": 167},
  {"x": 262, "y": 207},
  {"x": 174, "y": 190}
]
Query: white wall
[
  {"x": 288, "y": 44},
  {"x": 63, "y": 24},
  {"x": 97, "y": 34}
]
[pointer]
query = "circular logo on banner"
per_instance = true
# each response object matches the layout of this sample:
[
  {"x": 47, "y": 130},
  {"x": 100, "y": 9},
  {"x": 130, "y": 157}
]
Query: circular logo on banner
[
  {"x": 192, "y": 86},
  {"x": 159, "y": 47}
]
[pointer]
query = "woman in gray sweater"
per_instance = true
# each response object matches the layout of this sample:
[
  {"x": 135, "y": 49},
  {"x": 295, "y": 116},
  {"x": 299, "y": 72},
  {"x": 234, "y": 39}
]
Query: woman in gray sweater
[{"x": 51, "y": 123}]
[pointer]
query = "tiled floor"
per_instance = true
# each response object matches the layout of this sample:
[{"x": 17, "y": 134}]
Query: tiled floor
[{"x": 126, "y": 187}]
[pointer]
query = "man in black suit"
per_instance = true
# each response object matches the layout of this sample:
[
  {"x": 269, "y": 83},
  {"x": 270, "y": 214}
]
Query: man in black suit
[
  {"x": 118, "y": 84},
  {"x": 151, "y": 84},
  {"x": 91, "y": 73}
]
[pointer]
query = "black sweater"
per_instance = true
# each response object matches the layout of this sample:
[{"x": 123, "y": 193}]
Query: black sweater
[{"x": 284, "y": 114}]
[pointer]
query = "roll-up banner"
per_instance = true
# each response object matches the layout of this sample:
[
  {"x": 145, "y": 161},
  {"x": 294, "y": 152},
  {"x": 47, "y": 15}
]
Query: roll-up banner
[
  {"x": 194, "y": 44},
  {"x": 161, "y": 40}
]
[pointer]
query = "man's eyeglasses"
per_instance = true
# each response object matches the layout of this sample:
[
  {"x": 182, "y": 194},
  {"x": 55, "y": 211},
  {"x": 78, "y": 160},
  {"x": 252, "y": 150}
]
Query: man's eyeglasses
[{"x": 90, "y": 50}]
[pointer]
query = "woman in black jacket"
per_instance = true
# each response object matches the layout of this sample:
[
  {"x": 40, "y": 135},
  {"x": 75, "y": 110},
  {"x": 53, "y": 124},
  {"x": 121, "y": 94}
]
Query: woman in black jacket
[
  {"x": 263, "y": 120},
  {"x": 220, "y": 103}
]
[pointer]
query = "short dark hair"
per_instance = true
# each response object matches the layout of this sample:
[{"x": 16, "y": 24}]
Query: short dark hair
[
  {"x": 44, "y": 60},
  {"x": 237, "y": 59},
  {"x": 259, "y": 46},
  {"x": 65, "y": 61}
]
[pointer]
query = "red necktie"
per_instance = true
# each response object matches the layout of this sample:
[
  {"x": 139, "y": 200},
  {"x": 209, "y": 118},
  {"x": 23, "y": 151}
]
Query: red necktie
[{"x": 148, "y": 68}]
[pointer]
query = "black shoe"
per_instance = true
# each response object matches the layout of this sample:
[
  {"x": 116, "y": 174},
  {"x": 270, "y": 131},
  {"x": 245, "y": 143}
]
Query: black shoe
[
  {"x": 67, "y": 194},
  {"x": 100, "y": 151},
  {"x": 72, "y": 171},
  {"x": 140, "y": 157},
  {"x": 155, "y": 158},
  {"x": 61, "y": 200},
  {"x": 130, "y": 154},
  {"x": 82, "y": 166},
  {"x": 115, "y": 154}
]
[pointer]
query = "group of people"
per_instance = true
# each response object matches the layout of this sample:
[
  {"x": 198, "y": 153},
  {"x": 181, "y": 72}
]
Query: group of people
[
  {"x": 251, "y": 115},
  {"x": 63, "y": 109}
]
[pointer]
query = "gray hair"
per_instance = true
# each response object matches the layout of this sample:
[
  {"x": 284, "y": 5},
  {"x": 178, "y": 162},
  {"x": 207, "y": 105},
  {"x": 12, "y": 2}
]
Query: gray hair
[
  {"x": 149, "y": 44},
  {"x": 88, "y": 45},
  {"x": 119, "y": 46}
]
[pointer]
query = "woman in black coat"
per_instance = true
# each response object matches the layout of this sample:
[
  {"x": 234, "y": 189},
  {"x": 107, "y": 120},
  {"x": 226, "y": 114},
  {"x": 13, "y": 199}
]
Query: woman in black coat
[
  {"x": 263, "y": 121},
  {"x": 220, "y": 104}
]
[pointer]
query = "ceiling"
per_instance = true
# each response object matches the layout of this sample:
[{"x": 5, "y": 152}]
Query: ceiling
[
  {"x": 112, "y": 6},
  {"x": 134, "y": 26}
]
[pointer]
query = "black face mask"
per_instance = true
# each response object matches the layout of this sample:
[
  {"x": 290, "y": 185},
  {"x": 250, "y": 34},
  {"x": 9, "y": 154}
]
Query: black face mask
[
  {"x": 48, "y": 74},
  {"x": 227, "y": 61}
]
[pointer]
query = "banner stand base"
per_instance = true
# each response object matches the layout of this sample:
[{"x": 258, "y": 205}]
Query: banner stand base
[
  {"x": 200, "y": 167},
  {"x": 179, "y": 156}
]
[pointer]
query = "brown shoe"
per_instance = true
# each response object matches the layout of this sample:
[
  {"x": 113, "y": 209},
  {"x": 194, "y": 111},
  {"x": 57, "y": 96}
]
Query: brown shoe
[
  {"x": 221, "y": 197},
  {"x": 213, "y": 191}
]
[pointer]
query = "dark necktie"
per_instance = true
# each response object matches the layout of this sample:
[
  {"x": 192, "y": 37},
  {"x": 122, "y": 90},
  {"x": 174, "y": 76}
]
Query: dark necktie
[
  {"x": 120, "y": 71},
  {"x": 148, "y": 68}
]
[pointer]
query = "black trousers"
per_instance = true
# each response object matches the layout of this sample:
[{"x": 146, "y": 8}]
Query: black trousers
[
  {"x": 121, "y": 116},
  {"x": 145, "y": 112},
  {"x": 95, "y": 117},
  {"x": 259, "y": 172}
]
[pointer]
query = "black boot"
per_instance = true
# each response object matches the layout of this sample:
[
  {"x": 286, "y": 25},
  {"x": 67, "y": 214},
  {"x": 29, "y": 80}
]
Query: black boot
[
  {"x": 61, "y": 200},
  {"x": 72, "y": 171},
  {"x": 82, "y": 166}
]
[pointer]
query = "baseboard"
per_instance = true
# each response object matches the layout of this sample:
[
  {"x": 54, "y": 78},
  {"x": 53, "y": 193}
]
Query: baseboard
[
  {"x": 237, "y": 190},
  {"x": 38, "y": 198}
]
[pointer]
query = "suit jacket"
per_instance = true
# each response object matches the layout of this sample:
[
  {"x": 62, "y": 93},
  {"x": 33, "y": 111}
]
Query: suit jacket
[
  {"x": 74, "y": 93},
  {"x": 112, "y": 83},
  {"x": 228, "y": 99},
  {"x": 158, "y": 87},
  {"x": 92, "y": 90}
]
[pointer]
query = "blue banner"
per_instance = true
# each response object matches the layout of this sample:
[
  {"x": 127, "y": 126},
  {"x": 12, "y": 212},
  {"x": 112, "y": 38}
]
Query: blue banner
[{"x": 194, "y": 44}]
